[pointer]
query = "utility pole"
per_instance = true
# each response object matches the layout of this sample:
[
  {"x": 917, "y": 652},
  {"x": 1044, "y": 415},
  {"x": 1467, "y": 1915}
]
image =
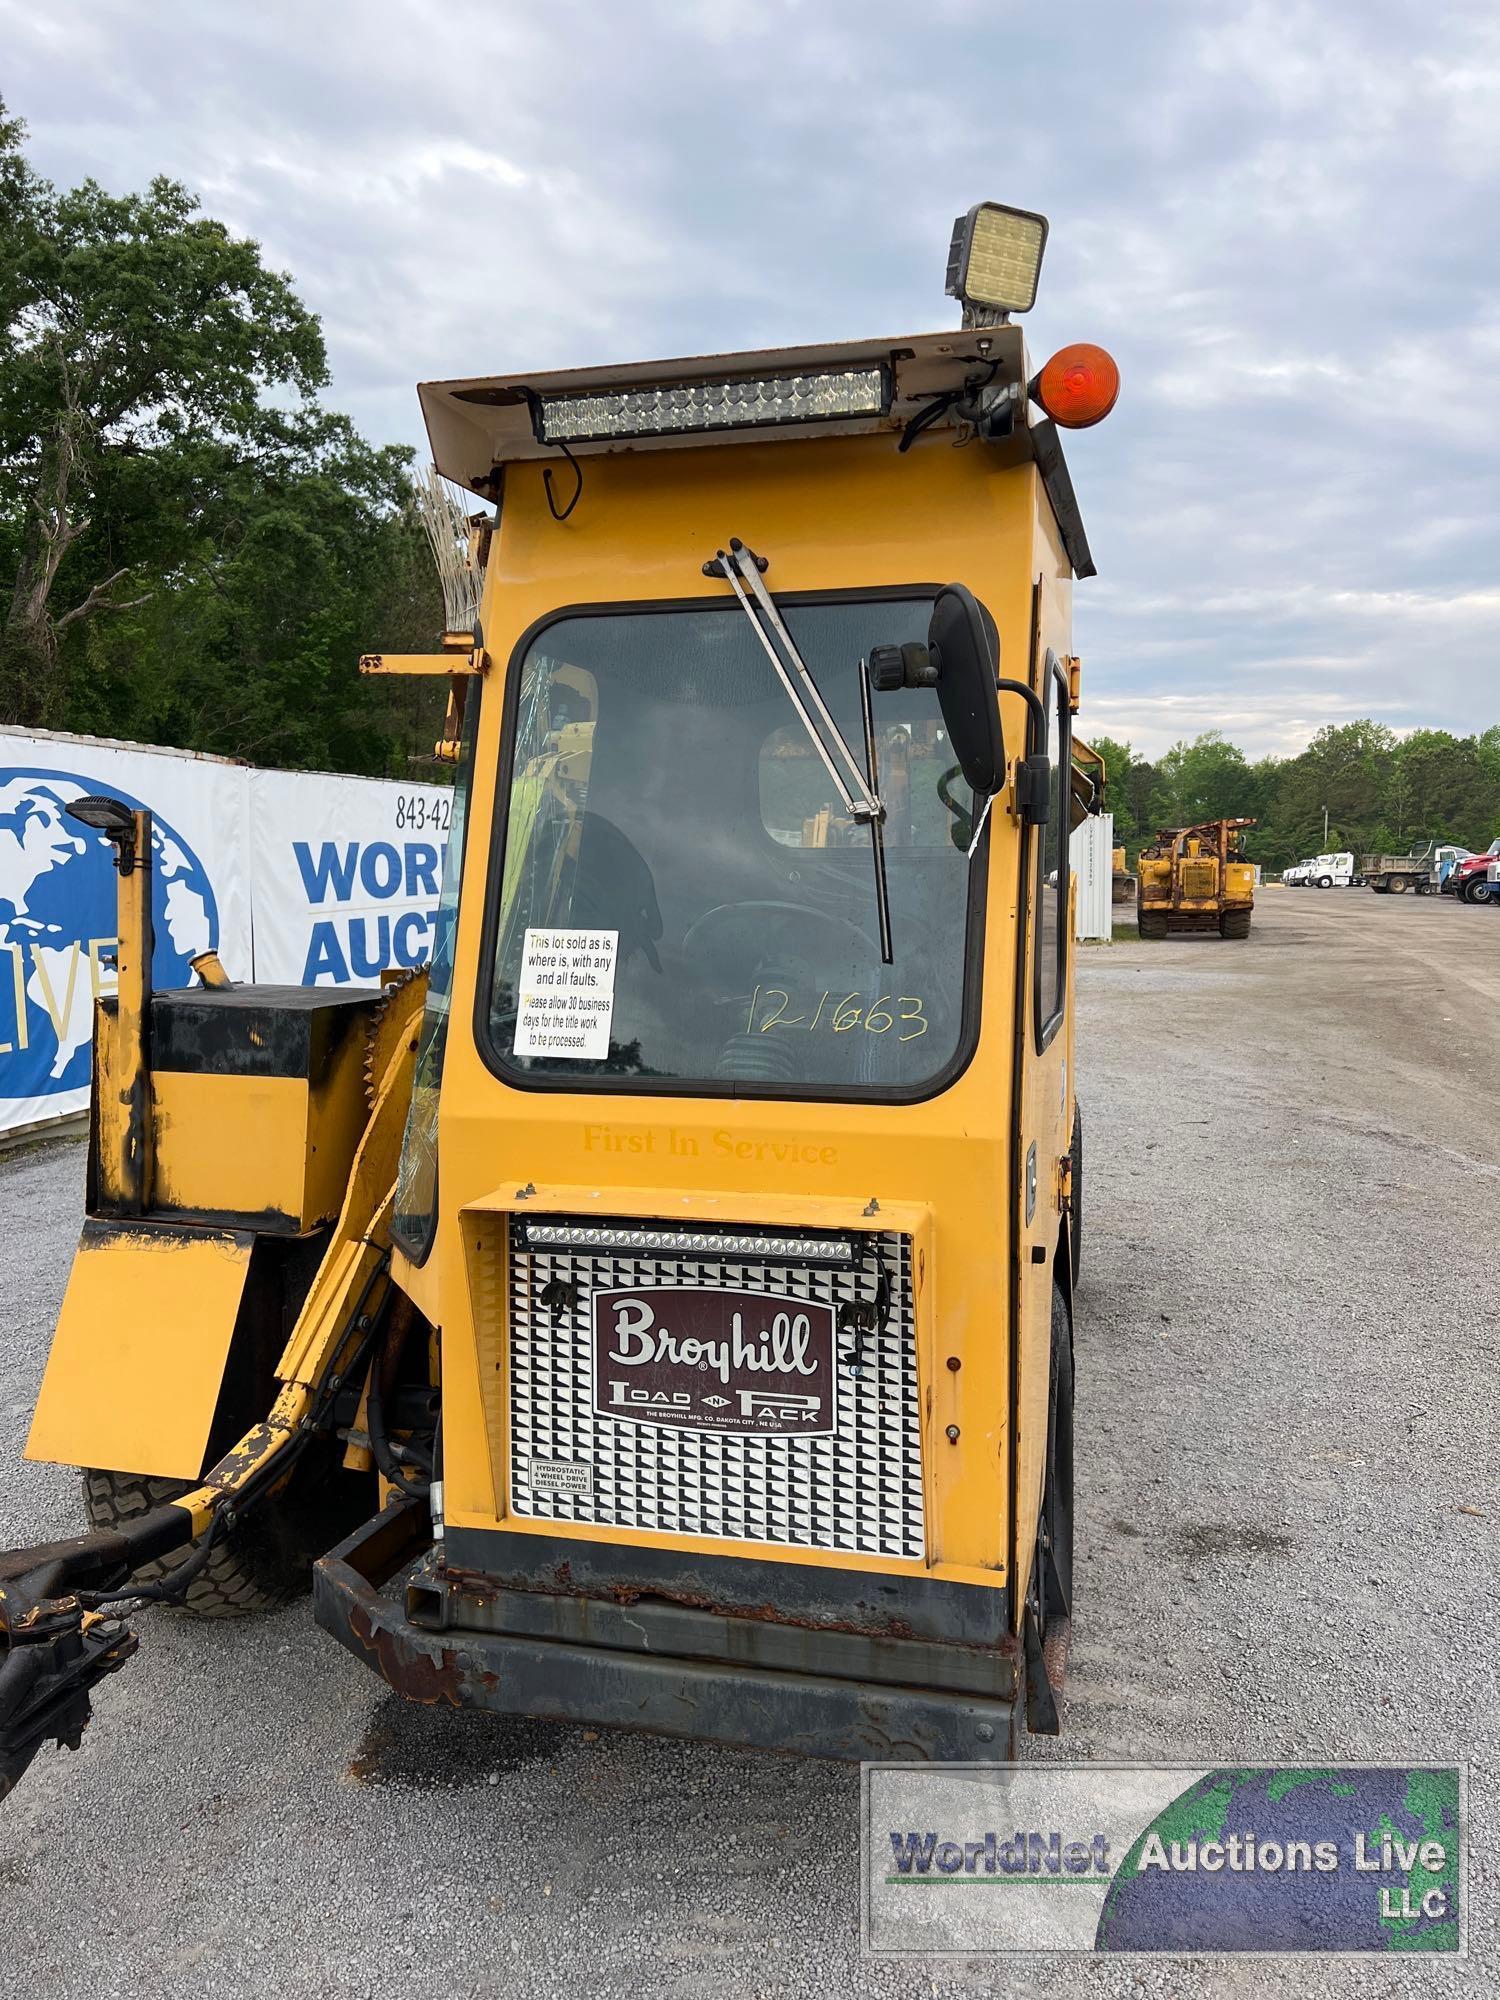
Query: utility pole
[{"x": 1325, "y": 829}]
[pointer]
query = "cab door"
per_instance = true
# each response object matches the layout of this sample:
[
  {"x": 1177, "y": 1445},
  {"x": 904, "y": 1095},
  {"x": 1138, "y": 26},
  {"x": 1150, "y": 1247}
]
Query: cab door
[{"x": 1044, "y": 1125}]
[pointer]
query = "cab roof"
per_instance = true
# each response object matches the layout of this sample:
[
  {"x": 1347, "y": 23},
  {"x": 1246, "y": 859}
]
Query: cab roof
[{"x": 479, "y": 424}]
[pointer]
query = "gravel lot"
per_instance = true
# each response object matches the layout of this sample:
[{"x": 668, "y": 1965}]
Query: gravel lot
[{"x": 1287, "y": 1370}]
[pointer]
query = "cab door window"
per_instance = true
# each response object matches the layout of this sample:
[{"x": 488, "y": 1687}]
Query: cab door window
[{"x": 1052, "y": 864}]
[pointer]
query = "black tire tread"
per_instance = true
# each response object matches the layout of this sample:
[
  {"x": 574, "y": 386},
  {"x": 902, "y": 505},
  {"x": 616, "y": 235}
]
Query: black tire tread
[{"x": 228, "y": 1586}]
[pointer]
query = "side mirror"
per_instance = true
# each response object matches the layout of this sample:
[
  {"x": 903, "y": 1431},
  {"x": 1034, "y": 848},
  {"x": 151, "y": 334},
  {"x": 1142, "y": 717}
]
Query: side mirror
[{"x": 965, "y": 651}]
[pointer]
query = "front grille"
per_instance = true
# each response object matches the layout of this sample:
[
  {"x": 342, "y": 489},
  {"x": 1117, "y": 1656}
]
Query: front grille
[
  {"x": 1200, "y": 879},
  {"x": 858, "y": 1488}
]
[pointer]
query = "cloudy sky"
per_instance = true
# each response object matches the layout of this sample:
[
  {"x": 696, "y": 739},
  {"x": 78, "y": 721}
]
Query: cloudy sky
[{"x": 1283, "y": 219}]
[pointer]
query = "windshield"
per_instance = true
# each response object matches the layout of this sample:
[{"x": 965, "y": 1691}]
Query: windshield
[{"x": 685, "y": 900}]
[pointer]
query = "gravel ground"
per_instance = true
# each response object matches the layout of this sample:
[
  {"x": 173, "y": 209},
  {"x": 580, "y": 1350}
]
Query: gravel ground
[{"x": 1287, "y": 1355}]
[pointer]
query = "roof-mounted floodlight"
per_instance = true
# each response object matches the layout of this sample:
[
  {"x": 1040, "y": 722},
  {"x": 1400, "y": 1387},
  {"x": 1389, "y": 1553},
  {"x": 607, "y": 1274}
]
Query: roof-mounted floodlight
[{"x": 994, "y": 261}]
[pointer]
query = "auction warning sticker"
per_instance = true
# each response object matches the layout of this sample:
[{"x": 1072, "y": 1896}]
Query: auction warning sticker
[
  {"x": 976, "y": 1858},
  {"x": 566, "y": 994}
]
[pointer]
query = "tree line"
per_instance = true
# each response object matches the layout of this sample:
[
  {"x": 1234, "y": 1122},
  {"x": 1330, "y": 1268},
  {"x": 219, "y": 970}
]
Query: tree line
[
  {"x": 196, "y": 548},
  {"x": 1381, "y": 791}
]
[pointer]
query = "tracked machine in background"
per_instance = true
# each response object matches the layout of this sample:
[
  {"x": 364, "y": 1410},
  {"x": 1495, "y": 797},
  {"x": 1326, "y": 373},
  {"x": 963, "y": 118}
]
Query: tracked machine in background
[
  {"x": 1195, "y": 881},
  {"x": 660, "y": 1313}
]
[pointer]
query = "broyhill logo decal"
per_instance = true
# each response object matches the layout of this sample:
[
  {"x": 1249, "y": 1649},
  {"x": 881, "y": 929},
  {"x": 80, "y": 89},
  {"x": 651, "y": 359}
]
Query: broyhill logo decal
[
  {"x": 753, "y": 1364},
  {"x": 58, "y": 925}
]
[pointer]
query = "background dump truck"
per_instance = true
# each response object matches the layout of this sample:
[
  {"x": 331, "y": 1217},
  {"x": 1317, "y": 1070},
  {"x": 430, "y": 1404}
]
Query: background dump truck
[
  {"x": 660, "y": 1314},
  {"x": 1195, "y": 879},
  {"x": 1422, "y": 871}
]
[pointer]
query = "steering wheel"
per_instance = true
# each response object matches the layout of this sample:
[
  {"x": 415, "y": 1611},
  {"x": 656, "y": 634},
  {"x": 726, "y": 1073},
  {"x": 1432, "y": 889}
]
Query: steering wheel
[{"x": 746, "y": 928}]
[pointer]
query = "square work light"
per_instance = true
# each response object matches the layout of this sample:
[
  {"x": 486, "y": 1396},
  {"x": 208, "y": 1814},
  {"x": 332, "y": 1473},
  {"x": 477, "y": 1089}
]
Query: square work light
[{"x": 996, "y": 256}]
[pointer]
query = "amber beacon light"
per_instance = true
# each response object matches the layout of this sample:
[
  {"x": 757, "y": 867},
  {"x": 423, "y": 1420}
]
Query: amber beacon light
[{"x": 1079, "y": 386}]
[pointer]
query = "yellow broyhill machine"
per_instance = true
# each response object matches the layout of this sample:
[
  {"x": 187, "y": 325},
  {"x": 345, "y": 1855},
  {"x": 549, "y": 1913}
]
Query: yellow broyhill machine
[
  {"x": 661, "y": 1314},
  {"x": 1195, "y": 879}
]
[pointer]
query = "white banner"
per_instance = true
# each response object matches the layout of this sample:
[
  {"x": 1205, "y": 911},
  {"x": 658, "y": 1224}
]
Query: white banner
[
  {"x": 57, "y": 898},
  {"x": 294, "y": 878},
  {"x": 344, "y": 876}
]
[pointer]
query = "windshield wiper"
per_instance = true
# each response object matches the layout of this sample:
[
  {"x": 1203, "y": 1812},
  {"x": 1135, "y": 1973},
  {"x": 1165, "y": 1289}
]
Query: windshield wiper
[{"x": 859, "y": 789}]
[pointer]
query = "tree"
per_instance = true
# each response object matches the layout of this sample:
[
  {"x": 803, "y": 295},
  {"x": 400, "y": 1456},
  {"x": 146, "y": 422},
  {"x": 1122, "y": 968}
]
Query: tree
[
  {"x": 1118, "y": 761},
  {"x": 1206, "y": 779},
  {"x": 157, "y": 408}
]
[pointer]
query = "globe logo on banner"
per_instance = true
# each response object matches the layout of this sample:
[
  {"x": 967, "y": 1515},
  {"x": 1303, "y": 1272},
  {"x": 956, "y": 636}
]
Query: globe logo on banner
[{"x": 58, "y": 925}]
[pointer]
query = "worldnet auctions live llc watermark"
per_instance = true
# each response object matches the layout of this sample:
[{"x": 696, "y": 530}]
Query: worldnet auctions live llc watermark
[{"x": 1250, "y": 1859}]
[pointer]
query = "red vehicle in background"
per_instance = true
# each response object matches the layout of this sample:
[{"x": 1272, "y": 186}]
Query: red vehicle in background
[{"x": 1471, "y": 878}]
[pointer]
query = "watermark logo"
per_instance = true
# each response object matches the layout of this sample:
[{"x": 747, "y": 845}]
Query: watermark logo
[{"x": 1335, "y": 1859}]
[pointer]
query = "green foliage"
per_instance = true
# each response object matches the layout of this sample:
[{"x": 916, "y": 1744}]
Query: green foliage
[
  {"x": 1382, "y": 792},
  {"x": 197, "y": 550}
]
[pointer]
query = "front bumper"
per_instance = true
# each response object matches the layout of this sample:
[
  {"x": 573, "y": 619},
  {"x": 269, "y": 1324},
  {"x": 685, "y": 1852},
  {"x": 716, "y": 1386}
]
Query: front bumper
[{"x": 663, "y": 1667}]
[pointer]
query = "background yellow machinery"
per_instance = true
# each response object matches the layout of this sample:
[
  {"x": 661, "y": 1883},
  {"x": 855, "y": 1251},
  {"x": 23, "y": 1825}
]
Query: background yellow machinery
[{"x": 1194, "y": 880}]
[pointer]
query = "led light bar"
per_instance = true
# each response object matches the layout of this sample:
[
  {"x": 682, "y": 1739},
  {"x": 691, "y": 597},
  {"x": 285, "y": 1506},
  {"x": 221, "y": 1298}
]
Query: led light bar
[
  {"x": 662, "y": 409},
  {"x": 731, "y": 1245}
]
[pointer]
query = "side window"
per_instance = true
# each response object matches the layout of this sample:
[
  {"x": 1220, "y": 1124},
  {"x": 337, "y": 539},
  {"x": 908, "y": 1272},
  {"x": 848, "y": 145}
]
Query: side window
[
  {"x": 414, "y": 1221},
  {"x": 1052, "y": 864}
]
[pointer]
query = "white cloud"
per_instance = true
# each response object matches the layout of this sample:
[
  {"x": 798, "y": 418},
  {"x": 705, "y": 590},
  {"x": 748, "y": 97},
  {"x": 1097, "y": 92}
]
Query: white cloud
[{"x": 1280, "y": 216}]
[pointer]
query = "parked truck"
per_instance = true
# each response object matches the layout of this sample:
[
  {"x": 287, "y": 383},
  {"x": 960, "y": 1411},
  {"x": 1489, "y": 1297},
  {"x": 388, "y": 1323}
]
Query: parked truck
[
  {"x": 1421, "y": 872},
  {"x": 1470, "y": 879},
  {"x": 1332, "y": 871}
]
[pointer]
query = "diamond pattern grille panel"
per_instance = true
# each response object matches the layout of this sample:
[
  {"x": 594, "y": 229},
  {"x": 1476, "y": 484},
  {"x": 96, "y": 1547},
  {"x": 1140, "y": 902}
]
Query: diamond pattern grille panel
[{"x": 859, "y": 1490}]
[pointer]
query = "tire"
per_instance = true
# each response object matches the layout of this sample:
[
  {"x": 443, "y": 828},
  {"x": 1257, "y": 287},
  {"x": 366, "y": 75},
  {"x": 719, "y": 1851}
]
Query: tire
[
  {"x": 1475, "y": 890},
  {"x": 1075, "y": 1219},
  {"x": 1325, "y": 881},
  {"x": 261, "y": 1562},
  {"x": 1151, "y": 923},
  {"x": 1397, "y": 884},
  {"x": 1235, "y": 924}
]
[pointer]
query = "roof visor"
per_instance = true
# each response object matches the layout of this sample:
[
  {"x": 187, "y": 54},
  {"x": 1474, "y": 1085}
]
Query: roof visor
[{"x": 843, "y": 388}]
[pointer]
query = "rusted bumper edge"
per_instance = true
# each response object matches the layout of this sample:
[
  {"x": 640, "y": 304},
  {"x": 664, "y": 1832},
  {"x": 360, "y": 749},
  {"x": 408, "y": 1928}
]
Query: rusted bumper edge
[{"x": 803, "y": 1714}]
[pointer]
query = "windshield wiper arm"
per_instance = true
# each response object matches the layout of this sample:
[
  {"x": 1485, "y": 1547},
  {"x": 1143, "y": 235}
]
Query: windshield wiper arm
[
  {"x": 860, "y": 789},
  {"x": 861, "y": 801},
  {"x": 877, "y": 823}
]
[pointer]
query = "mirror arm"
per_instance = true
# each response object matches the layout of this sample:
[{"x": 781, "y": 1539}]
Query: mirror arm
[
  {"x": 1036, "y": 718},
  {"x": 1032, "y": 772}
]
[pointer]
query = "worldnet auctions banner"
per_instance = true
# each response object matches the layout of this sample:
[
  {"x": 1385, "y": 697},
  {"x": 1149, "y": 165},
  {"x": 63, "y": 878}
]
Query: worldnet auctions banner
[
  {"x": 292, "y": 877},
  {"x": 344, "y": 876}
]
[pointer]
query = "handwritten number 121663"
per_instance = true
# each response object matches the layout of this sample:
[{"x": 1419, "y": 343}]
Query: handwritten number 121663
[{"x": 900, "y": 1013}]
